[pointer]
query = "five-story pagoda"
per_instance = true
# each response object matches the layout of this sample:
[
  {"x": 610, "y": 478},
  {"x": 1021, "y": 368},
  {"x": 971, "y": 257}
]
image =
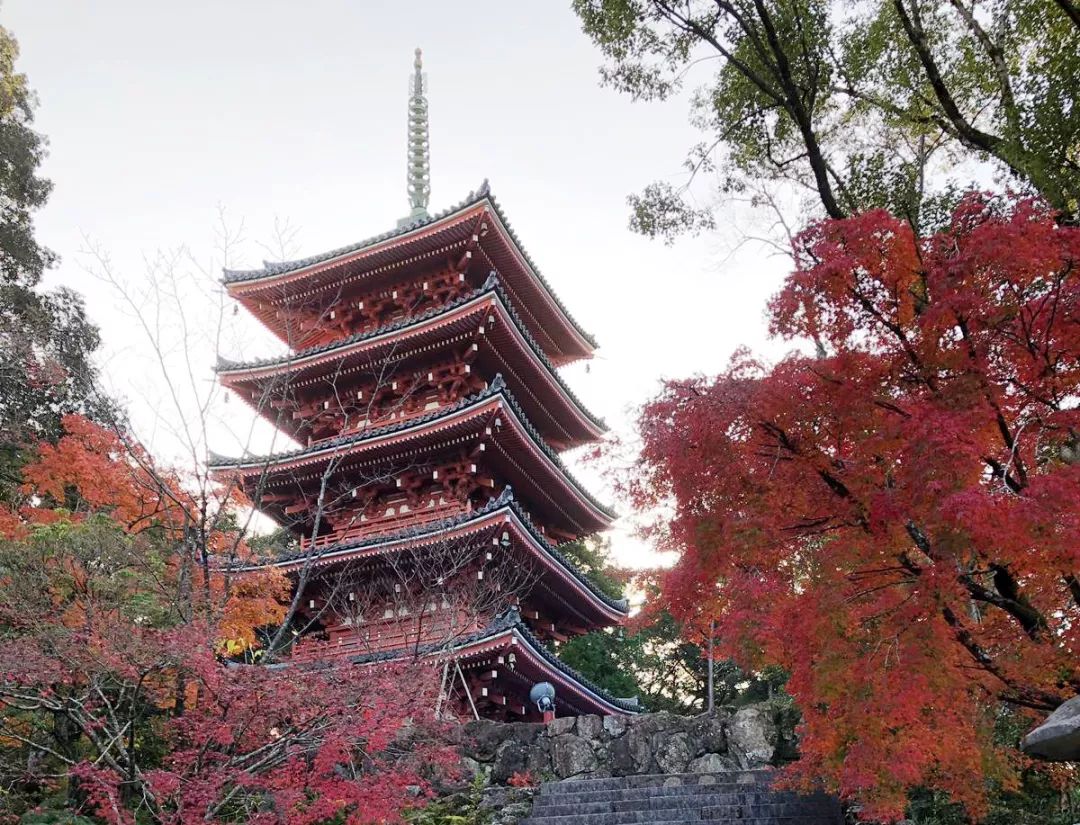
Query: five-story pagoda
[{"x": 428, "y": 499}]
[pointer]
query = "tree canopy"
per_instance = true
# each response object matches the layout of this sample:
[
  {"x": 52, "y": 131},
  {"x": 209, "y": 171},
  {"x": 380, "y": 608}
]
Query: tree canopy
[
  {"x": 46, "y": 341},
  {"x": 893, "y": 520},
  {"x": 118, "y": 700},
  {"x": 863, "y": 105}
]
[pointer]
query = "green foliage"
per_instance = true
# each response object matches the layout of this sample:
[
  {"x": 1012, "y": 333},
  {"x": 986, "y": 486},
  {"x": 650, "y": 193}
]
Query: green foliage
[
  {"x": 22, "y": 259},
  {"x": 665, "y": 671},
  {"x": 660, "y": 211},
  {"x": 1035, "y": 804},
  {"x": 461, "y": 808},
  {"x": 654, "y": 662},
  {"x": 89, "y": 559},
  {"x": 60, "y": 817},
  {"x": 280, "y": 542},
  {"x": 592, "y": 556},
  {"x": 865, "y": 105},
  {"x": 46, "y": 341},
  {"x": 603, "y": 656}
]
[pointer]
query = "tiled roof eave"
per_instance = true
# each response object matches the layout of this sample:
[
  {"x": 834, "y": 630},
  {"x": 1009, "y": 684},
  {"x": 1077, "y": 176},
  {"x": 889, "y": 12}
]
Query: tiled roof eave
[
  {"x": 299, "y": 359},
  {"x": 505, "y": 222},
  {"x": 617, "y": 609},
  {"x": 337, "y": 445},
  {"x": 626, "y": 705},
  {"x": 433, "y": 528},
  {"x": 510, "y": 625},
  {"x": 271, "y": 271}
]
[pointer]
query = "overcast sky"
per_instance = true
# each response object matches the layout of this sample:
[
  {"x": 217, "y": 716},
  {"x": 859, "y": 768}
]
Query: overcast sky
[{"x": 158, "y": 113}]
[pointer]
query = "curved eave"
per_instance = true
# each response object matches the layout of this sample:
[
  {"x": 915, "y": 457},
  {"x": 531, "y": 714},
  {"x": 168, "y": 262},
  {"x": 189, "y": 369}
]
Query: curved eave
[
  {"x": 307, "y": 362},
  {"x": 511, "y": 633},
  {"x": 584, "y": 697},
  {"x": 591, "y": 516},
  {"x": 399, "y": 245},
  {"x": 596, "y": 607},
  {"x": 564, "y": 676}
]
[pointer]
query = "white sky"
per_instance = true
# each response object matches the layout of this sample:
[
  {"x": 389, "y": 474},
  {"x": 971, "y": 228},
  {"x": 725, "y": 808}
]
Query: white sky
[{"x": 158, "y": 112}]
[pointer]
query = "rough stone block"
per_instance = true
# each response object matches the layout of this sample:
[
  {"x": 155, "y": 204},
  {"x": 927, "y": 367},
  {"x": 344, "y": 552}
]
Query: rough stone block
[
  {"x": 630, "y": 754},
  {"x": 711, "y": 763},
  {"x": 672, "y": 751},
  {"x": 753, "y": 735},
  {"x": 571, "y": 756},
  {"x": 614, "y": 725},
  {"x": 561, "y": 725},
  {"x": 511, "y": 757},
  {"x": 589, "y": 727},
  {"x": 708, "y": 732}
]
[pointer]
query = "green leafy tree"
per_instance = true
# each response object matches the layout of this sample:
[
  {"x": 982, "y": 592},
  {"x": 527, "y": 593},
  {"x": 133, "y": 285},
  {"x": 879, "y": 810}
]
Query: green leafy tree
[
  {"x": 654, "y": 664},
  {"x": 653, "y": 659},
  {"x": 592, "y": 556},
  {"x": 46, "y": 341},
  {"x": 853, "y": 102}
]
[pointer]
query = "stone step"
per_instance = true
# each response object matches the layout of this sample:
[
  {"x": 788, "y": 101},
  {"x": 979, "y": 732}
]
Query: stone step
[
  {"x": 677, "y": 816},
  {"x": 741, "y": 778},
  {"x": 735, "y": 793},
  {"x": 730, "y": 804},
  {"x": 731, "y": 798}
]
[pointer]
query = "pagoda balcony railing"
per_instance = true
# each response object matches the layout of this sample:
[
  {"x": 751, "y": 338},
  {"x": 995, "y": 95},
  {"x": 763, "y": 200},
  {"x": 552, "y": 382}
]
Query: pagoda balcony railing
[
  {"x": 366, "y": 528},
  {"x": 396, "y": 417},
  {"x": 377, "y": 636}
]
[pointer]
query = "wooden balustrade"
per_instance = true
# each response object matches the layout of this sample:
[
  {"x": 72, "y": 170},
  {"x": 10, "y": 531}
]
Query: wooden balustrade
[
  {"x": 385, "y": 524},
  {"x": 381, "y": 635}
]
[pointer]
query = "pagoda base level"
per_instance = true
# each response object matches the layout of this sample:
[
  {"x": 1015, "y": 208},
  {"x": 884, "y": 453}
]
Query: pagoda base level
[{"x": 489, "y": 674}]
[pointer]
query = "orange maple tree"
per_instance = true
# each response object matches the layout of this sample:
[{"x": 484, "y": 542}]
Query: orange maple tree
[
  {"x": 895, "y": 518},
  {"x": 123, "y": 617},
  {"x": 92, "y": 470}
]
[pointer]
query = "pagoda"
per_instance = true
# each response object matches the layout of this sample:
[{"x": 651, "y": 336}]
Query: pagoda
[{"x": 427, "y": 498}]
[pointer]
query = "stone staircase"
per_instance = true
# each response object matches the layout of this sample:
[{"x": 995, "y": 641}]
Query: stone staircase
[{"x": 742, "y": 797}]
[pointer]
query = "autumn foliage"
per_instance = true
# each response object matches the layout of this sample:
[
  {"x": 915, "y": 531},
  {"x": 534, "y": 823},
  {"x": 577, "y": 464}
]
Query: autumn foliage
[
  {"x": 895, "y": 518},
  {"x": 121, "y": 625}
]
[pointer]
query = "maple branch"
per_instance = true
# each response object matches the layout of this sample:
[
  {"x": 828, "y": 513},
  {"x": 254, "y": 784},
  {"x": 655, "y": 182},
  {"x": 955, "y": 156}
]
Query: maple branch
[
  {"x": 999, "y": 470},
  {"x": 831, "y": 481},
  {"x": 1074, "y": 587},
  {"x": 1007, "y": 595},
  {"x": 1024, "y": 696}
]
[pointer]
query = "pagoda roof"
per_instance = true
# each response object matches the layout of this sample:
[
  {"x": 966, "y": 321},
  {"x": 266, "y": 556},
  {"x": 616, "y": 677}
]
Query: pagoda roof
[
  {"x": 509, "y": 630},
  {"x": 394, "y": 333},
  {"x": 382, "y": 250},
  {"x": 453, "y": 417},
  {"x": 501, "y": 510}
]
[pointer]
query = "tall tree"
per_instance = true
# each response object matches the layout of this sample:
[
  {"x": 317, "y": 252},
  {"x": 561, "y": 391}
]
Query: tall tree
[
  {"x": 852, "y": 102},
  {"x": 893, "y": 521},
  {"x": 650, "y": 661},
  {"x": 45, "y": 339}
]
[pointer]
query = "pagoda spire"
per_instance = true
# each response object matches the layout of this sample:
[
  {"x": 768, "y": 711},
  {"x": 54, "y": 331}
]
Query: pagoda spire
[{"x": 419, "y": 160}]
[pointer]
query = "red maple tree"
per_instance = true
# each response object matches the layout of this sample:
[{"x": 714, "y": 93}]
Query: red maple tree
[
  {"x": 894, "y": 519},
  {"x": 115, "y": 690}
]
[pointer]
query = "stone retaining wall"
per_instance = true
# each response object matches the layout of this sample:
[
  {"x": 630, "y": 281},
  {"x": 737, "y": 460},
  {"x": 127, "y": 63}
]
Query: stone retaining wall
[{"x": 595, "y": 746}]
